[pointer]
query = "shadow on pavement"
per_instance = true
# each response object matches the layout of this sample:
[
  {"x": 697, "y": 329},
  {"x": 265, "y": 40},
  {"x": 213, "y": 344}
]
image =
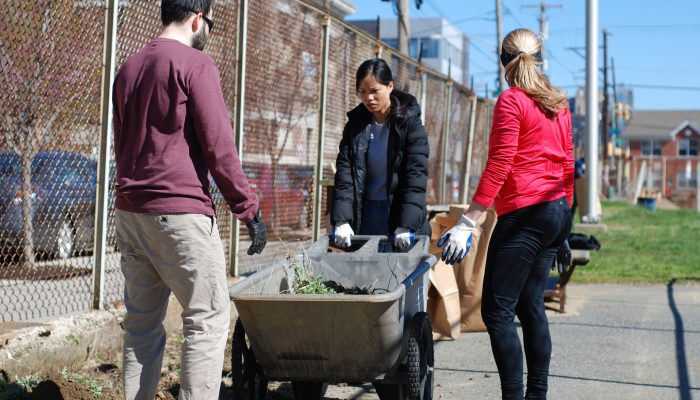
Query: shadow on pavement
[{"x": 683, "y": 380}]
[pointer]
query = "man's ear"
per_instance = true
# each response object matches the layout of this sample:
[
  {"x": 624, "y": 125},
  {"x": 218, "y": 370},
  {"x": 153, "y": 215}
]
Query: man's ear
[{"x": 194, "y": 22}]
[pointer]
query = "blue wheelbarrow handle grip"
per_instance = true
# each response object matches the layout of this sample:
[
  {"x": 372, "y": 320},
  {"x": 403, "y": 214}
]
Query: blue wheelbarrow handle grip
[{"x": 421, "y": 269}]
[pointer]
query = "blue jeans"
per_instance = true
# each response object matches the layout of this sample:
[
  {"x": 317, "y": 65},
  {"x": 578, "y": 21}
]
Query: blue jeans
[{"x": 522, "y": 248}]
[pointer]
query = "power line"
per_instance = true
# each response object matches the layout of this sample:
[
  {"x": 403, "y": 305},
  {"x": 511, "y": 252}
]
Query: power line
[
  {"x": 455, "y": 23},
  {"x": 662, "y": 87},
  {"x": 510, "y": 13},
  {"x": 490, "y": 56},
  {"x": 437, "y": 9}
]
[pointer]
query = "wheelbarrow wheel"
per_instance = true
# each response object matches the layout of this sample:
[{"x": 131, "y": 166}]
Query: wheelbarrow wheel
[
  {"x": 247, "y": 377},
  {"x": 420, "y": 358}
]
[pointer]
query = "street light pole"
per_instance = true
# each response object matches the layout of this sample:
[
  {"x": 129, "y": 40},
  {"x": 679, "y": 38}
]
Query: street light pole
[{"x": 592, "y": 111}]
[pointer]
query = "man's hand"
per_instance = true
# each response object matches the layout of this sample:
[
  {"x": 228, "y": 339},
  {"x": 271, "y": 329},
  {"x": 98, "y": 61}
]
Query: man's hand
[
  {"x": 256, "y": 230},
  {"x": 342, "y": 233},
  {"x": 457, "y": 241},
  {"x": 403, "y": 237}
]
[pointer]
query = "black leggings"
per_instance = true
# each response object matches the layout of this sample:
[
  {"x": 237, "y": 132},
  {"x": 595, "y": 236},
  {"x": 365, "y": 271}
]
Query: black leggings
[{"x": 521, "y": 251}]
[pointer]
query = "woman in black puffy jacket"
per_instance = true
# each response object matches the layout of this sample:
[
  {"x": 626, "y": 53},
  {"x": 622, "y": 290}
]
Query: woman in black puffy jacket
[{"x": 382, "y": 166}]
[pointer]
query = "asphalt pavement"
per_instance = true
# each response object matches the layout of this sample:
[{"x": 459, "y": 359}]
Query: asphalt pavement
[{"x": 614, "y": 342}]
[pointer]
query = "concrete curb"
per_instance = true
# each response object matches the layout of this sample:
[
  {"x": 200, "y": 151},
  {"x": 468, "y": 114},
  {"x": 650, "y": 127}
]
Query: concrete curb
[{"x": 45, "y": 348}]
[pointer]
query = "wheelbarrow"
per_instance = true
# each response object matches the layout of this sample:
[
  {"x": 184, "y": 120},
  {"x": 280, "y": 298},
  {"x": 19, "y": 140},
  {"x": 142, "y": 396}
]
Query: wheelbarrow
[{"x": 383, "y": 337}]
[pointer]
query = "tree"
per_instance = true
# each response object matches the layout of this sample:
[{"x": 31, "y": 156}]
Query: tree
[{"x": 43, "y": 81}]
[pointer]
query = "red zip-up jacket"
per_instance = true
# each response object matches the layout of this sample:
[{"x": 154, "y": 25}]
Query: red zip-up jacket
[{"x": 531, "y": 157}]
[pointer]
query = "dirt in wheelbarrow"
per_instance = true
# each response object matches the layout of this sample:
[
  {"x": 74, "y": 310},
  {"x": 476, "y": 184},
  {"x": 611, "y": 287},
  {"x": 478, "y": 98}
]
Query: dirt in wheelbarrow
[{"x": 101, "y": 379}]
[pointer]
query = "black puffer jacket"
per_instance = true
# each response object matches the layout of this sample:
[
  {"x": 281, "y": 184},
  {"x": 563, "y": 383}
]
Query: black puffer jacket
[{"x": 407, "y": 167}]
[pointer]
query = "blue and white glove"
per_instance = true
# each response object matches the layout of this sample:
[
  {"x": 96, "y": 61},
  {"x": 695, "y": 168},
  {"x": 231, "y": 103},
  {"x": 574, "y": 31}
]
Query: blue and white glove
[
  {"x": 457, "y": 241},
  {"x": 343, "y": 234},
  {"x": 403, "y": 237}
]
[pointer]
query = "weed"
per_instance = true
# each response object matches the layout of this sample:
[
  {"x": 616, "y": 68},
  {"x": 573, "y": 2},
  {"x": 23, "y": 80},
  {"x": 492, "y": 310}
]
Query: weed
[
  {"x": 92, "y": 384},
  {"x": 29, "y": 382},
  {"x": 74, "y": 338},
  {"x": 305, "y": 283}
]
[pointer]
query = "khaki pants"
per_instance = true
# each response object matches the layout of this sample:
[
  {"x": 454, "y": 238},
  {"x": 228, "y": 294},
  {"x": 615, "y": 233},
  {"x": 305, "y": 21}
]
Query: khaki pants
[{"x": 181, "y": 253}]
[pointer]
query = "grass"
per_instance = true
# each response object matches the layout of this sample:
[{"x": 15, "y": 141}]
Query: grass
[{"x": 644, "y": 247}]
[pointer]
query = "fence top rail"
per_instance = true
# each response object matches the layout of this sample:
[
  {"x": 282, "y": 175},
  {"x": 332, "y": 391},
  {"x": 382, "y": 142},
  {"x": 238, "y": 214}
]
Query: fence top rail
[{"x": 377, "y": 42}]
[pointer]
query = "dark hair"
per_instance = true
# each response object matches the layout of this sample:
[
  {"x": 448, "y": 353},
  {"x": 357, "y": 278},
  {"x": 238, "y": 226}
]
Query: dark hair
[
  {"x": 179, "y": 10},
  {"x": 376, "y": 67},
  {"x": 379, "y": 69}
]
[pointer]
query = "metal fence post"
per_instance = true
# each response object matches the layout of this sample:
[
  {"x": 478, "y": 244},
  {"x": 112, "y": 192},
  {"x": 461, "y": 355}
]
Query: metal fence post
[
  {"x": 103, "y": 162},
  {"x": 697, "y": 186},
  {"x": 466, "y": 174},
  {"x": 446, "y": 137},
  {"x": 321, "y": 127},
  {"x": 423, "y": 92},
  {"x": 241, "y": 50}
]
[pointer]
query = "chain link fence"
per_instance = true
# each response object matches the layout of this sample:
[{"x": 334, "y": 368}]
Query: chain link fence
[{"x": 51, "y": 72}]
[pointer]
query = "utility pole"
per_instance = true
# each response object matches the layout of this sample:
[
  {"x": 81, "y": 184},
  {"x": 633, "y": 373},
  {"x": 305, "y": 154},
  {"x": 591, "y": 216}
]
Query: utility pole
[
  {"x": 606, "y": 118},
  {"x": 614, "y": 90},
  {"x": 592, "y": 112},
  {"x": 544, "y": 29},
  {"x": 403, "y": 27},
  {"x": 499, "y": 40}
]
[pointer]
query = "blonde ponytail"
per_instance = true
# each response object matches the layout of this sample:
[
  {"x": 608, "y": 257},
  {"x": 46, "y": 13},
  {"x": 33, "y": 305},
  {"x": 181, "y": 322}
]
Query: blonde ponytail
[{"x": 520, "y": 55}]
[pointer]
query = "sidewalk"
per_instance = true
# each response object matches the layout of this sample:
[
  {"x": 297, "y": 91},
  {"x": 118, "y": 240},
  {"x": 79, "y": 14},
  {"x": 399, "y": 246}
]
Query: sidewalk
[{"x": 622, "y": 342}]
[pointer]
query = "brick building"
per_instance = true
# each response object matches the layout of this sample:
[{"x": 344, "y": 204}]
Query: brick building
[{"x": 669, "y": 142}]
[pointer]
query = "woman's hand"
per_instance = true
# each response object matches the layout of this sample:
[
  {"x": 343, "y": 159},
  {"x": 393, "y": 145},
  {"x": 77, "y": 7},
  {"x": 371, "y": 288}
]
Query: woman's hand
[
  {"x": 403, "y": 237},
  {"x": 457, "y": 241},
  {"x": 343, "y": 234}
]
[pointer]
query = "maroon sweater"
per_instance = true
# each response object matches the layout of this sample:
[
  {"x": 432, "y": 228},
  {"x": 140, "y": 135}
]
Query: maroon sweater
[{"x": 171, "y": 129}]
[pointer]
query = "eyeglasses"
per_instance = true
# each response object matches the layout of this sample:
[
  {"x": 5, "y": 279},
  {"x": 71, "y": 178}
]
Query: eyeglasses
[{"x": 206, "y": 19}]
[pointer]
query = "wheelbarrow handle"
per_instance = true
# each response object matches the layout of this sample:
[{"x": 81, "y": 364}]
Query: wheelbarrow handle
[{"x": 421, "y": 269}]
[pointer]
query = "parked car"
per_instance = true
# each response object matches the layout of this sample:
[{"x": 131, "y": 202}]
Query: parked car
[
  {"x": 288, "y": 202},
  {"x": 63, "y": 186},
  {"x": 290, "y": 205}
]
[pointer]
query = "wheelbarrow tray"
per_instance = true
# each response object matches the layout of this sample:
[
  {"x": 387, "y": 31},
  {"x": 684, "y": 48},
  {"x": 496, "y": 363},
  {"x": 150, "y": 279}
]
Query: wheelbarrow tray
[{"x": 336, "y": 337}]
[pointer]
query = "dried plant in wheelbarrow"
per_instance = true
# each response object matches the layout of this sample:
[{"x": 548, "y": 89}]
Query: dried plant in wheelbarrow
[{"x": 307, "y": 283}]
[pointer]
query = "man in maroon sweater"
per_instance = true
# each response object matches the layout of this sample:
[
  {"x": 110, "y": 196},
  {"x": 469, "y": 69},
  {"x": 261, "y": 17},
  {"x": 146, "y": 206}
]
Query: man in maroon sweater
[{"x": 171, "y": 129}]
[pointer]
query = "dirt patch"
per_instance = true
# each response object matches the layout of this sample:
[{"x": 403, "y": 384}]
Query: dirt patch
[
  {"x": 102, "y": 380},
  {"x": 61, "y": 389}
]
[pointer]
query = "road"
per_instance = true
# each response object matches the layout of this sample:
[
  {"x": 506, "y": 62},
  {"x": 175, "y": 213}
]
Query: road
[{"x": 622, "y": 342}]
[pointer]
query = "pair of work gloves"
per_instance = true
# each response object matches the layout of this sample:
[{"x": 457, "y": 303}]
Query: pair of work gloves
[
  {"x": 256, "y": 231},
  {"x": 403, "y": 237}
]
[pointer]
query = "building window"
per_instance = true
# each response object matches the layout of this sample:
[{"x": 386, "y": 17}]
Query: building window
[
  {"x": 651, "y": 148},
  {"x": 687, "y": 148},
  {"x": 413, "y": 48},
  {"x": 687, "y": 183},
  {"x": 431, "y": 47}
]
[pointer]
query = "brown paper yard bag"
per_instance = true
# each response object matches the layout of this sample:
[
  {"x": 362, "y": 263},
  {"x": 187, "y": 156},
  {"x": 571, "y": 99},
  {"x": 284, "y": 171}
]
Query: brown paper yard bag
[
  {"x": 443, "y": 295},
  {"x": 470, "y": 272},
  {"x": 443, "y": 302}
]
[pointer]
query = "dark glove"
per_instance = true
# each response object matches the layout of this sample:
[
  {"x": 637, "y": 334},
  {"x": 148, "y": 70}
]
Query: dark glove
[
  {"x": 563, "y": 256},
  {"x": 256, "y": 230}
]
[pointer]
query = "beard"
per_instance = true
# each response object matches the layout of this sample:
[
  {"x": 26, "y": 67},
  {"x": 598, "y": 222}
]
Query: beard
[{"x": 199, "y": 40}]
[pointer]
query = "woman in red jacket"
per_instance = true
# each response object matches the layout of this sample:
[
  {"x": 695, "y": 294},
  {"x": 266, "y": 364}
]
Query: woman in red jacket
[{"x": 529, "y": 178}]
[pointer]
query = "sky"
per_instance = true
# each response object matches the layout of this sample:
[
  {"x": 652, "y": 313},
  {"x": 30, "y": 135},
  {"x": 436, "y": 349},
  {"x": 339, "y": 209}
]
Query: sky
[{"x": 655, "y": 44}]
